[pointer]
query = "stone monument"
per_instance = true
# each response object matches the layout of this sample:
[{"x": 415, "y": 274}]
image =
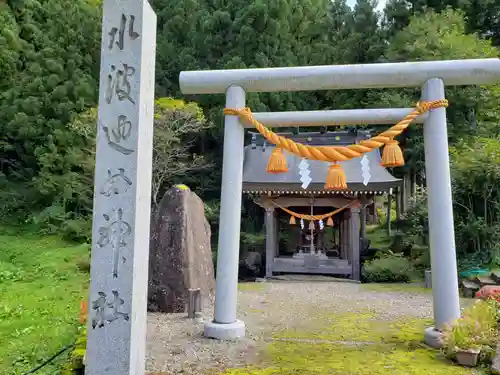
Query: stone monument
[
  {"x": 181, "y": 256},
  {"x": 116, "y": 343}
]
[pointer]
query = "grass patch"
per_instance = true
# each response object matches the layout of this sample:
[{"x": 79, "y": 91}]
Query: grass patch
[
  {"x": 384, "y": 348},
  {"x": 251, "y": 287},
  {"x": 41, "y": 286}
]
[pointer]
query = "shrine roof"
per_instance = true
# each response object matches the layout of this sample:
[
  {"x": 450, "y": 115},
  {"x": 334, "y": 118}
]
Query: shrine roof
[{"x": 256, "y": 156}]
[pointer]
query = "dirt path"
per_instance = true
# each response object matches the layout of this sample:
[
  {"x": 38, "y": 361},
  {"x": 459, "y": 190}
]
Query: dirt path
[{"x": 175, "y": 344}]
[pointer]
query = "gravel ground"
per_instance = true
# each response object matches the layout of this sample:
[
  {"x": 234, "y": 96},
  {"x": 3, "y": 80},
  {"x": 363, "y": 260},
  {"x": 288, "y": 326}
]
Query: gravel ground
[{"x": 176, "y": 345}]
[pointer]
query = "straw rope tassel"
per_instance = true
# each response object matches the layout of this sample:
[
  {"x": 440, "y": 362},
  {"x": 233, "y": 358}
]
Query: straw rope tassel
[
  {"x": 329, "y": 222},
  {"x": 292, "y": 220},
  {"x": 335, "y": 179},
  {"x": 392, "y": 156},
  {"x": 277, "y": 162}
]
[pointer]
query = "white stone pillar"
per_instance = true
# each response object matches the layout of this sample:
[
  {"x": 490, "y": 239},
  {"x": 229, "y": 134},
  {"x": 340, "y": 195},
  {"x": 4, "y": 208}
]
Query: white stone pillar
[
  {"x": 441, "y": 231},
  {"x": 116, "y": 342},
  {"x": 225, "y": 324}
]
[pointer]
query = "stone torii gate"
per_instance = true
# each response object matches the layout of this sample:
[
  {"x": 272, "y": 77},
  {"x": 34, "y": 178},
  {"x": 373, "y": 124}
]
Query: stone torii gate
[{"x": 432, "y": 76}]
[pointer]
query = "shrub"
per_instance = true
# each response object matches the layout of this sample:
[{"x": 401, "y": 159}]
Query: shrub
[
  {"x": 390, "y": 268},
  {"x": 477, "y": 328},
  {"x": 401, "y": 244},
  {"x": 252, "y": 242},
  {"x": 420, "y": 257}
]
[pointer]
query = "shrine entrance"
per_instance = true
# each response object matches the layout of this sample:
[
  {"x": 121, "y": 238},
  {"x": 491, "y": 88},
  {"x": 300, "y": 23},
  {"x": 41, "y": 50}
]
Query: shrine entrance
[{"x": 431, "y": 76}]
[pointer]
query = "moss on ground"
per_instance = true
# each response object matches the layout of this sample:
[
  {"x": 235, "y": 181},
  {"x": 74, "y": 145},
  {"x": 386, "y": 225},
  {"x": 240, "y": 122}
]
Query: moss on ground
[
  {"x": 396, "y": 287},
  {"x": 353, "y": 344}
]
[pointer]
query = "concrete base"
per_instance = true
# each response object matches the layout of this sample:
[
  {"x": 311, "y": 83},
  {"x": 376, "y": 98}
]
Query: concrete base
[
  {"x": 433, "y": 338},
  {"x": 229, "y": 331}
]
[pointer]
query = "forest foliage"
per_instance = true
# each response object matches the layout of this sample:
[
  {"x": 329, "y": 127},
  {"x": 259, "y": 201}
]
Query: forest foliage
[{"x": 49, "y": 60}]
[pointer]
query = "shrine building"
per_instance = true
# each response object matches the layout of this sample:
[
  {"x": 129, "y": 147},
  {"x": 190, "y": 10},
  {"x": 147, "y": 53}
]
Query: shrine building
[{"x": 331, "y": 245}]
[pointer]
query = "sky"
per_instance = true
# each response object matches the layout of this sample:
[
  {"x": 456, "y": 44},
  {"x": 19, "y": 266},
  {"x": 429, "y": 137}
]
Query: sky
[{"x": 380, "y": 7}]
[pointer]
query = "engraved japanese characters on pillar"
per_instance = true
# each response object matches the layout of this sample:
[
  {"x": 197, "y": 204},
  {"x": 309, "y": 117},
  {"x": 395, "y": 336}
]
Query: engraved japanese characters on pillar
[
  {"x": 121, "y": 32},
  {"x": 115, "y": 233},
  {"x": 118, "y": 134},
  {"x": 122, "y": 190},
  {"x": 116, "y": 183},
  {"x": 101, "y": 306},
  {"x": 119, "y": 83}
]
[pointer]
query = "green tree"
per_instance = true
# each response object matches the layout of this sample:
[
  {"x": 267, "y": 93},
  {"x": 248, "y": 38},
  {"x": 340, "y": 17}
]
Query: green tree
[
  {"x": 341, "y": 19},
  {"x": 215, "y": 34},
  {"x": 481, "y": 15},
  {"x": 50, "y": 74},
  {"x": 483, "y": 18},
  {"x": 365, "y": 41},
  {"x": 435, "y": 36},
  {"x": 357, "y": 39},
  {"x": 241, "y": 34},
  {"x": 473, "y": 115},
  {"x": 70, "y": 182},
  {"x": 476, "y": 198}
]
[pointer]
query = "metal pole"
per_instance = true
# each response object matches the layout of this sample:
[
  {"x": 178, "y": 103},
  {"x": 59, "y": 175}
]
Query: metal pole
[
  {"x": 225, "y": 325},
  {"x": 442, "y": 237}
]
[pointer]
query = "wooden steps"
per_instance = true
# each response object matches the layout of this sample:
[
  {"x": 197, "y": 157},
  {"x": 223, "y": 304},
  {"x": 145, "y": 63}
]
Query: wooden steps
[
  {"x": 495, "y": 275},
  {"x": 469, "y": 287},
  {"x": 484, "y": 280}
]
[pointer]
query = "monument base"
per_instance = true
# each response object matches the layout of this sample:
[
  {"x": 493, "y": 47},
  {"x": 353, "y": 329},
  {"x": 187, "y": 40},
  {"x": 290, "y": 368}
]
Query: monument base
[
  {"x": 433, "y": 338},
  {"x": 220, "y": 331}
]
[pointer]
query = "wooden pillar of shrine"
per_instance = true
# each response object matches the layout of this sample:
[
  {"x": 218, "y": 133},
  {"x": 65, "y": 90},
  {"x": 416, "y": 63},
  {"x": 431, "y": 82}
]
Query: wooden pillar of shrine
[
  {"x": 362, "y": 217},
  {"x": 398, "y": 204},
  {"x": 276, "y": 227},
  {"x": 373, "y": 210},
  {"x": 404, "y": 195},
  {"x": 354, "y": 242},
  {"x": 413, "y": 190},
  {"x": 342, "y": 238},
  {"x": 389, "y": 211},
  {"x": 347, "y": 235},
  {"x": 271, "y": 234}
]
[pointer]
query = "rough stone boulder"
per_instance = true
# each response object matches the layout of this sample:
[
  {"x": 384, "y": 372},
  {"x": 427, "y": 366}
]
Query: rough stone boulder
[{"x": 180, "y": 254}]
